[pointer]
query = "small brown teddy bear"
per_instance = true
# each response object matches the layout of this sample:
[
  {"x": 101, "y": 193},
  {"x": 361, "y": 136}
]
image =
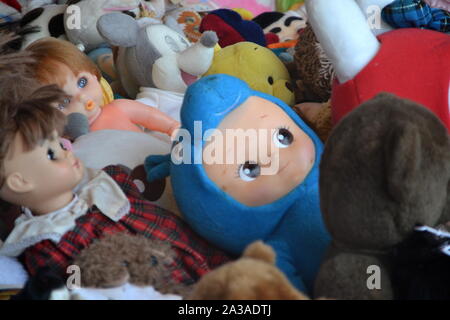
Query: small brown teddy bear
[
  {"x": 384, "y": 170},
  {"x": 317, "y": 116},
  {"x": 120, "y": 258},
  {"x": 252, "y": 277},
  {"x": 314, "y": 70}
]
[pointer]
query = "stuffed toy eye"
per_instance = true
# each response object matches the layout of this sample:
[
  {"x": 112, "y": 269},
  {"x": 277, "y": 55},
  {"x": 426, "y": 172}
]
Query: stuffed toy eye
[
  {"x": 270, "y": 80},
  {"x": 172, "y": 44},
  {"x": 184, "y": 42},
  {"x": 283, "y": 138},
  {"x": 249, "y": 171}
]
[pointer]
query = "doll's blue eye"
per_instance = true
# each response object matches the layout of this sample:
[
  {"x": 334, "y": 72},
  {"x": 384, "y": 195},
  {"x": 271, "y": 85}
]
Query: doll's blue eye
[
  {"x": 283, "y": 138},
  {"x": 64, "y": 104},
  {"x": 51, "y": 154},
  {"x": 249, "y": 171},
  {"x": 82, "y": 82}
]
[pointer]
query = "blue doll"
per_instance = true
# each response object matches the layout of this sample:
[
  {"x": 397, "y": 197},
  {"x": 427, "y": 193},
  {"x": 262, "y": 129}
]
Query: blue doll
[{"x": 272, "y": 196}]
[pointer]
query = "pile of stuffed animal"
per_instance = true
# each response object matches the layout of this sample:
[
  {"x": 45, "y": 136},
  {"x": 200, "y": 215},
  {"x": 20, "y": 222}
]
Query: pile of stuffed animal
[{"x": 347, "y": 197}]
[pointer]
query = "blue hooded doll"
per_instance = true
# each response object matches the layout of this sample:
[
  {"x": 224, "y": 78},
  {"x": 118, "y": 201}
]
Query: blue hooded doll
[{"x": 233, "y": 204}]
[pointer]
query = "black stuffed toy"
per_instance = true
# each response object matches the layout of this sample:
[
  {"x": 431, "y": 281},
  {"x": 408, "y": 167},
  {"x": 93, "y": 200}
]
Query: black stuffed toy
[{"x": 421, "y": 266}]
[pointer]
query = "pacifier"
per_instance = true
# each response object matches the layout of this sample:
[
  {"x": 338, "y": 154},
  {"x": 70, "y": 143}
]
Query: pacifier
[{"x": 89, "y": 105}]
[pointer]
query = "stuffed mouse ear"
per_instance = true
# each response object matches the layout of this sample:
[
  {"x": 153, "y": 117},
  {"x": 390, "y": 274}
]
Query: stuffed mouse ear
[
  {"x": 118, "y": 29},
  {"x": 157, "y": 167}
]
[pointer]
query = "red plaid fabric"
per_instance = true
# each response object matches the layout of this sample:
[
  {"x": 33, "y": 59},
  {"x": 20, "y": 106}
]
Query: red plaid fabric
[{"x": 195, "y": 257}]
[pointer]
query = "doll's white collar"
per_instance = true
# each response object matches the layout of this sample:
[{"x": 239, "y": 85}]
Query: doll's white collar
[{"x": 97, "y": 188}]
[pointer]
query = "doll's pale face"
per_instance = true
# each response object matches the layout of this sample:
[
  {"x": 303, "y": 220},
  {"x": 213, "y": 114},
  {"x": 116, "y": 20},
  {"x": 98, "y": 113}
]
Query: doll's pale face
[
  {"x": 288, "y": 146},
  {"x": 43, "y": 178},
  {"x": 86, "y": 93}
]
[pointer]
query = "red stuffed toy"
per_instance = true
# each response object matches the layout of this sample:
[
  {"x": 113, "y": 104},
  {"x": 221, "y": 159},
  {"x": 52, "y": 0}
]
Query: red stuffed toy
[
  {"x": 13, "y": 3},
  {"x": 410, "y": 63}
]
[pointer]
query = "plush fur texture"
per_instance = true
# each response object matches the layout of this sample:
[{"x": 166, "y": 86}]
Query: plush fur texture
[
  {"x": 40, "y": 286},
  {"x": 319, "y": 120},
  {"x": 16, "y": 81},
  {"x": 231, "y": 28},
  {"x": 121, "y": 258},
  {"x": 314, "y": 70},
  {"x": 252, "y": 277},
  {"x": 385, "y": 169}
]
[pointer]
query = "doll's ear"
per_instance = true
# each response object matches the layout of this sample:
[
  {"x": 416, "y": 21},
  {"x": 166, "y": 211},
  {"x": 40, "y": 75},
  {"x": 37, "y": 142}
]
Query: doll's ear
[
  {"x": 16, "y": 183},
  {"x": 118, "y": 29},
  {"x": 403, "y": 155}
]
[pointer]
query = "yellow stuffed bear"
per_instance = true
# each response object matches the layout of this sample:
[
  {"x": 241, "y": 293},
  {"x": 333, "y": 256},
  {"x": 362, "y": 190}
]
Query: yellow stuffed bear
[{"x": 256, "y": 65}]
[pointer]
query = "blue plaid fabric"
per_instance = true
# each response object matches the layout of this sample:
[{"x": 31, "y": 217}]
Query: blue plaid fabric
[{"x": 416, "y": 14}]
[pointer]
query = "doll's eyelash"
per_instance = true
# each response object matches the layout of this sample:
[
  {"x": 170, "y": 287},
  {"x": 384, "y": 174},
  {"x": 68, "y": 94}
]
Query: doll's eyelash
[{"x": 283, "y": 127}]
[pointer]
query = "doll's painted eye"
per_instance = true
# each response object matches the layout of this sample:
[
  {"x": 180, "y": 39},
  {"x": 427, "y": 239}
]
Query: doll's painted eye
[
  {"x": 177, "y": 152},
  {"x": 51, "y": 154},
  {"x": 64, "y": 104},
  {"x": 62, "y": 146},
  {"x": 249, "y": 171},
  {"x": 275, "y": 30},
  {"x": 283, "y": 138},
  {"x": 82, "y": 82}
]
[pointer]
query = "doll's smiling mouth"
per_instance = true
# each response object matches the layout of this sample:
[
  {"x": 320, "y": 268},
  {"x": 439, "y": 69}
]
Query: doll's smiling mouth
[
  {"x": 284, "y": 167},
  {"x": 188, "y": 78}
]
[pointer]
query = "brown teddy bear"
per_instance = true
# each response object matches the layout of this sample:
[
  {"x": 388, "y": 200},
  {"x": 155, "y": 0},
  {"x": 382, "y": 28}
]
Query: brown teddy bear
[
  {"x": 312, "y": 74},
  {"x": 317, "y": 116},
  {"x": 314, "y": 71},
  {"x": 384, "y": 170},
  {"x": 120, "y": 258},
  {"x": 252, "y": 277}
]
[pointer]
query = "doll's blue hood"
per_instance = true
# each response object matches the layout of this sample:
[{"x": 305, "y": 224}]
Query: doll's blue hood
[{"x": 210, "y": 211}]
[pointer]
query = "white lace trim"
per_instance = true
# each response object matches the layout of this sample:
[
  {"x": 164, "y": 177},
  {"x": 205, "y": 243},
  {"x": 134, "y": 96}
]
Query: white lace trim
[{"x": 15, "y": 249}]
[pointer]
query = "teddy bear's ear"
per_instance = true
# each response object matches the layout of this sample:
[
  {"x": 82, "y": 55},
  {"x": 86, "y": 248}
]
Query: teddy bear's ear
[
  {"x": 118, "y": 29},
  {"x": 403, "y": 155},
  {"x": 258, "y": 250}
]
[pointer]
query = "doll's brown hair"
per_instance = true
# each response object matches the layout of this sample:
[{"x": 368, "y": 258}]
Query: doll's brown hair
[
  {"x": 35, "y": 119},
  {"x": 15, "y": 74},
  {"x": 50, "y": 53}
]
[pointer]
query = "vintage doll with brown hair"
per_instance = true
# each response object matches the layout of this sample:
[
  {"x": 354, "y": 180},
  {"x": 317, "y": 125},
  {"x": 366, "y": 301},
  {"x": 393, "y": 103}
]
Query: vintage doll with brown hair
[
  {"x": 66, "y": 206},
  {"x": 60, "y": 62}
]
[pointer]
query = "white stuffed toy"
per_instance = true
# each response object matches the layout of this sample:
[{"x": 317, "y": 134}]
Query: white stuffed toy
[{"x": 154, "y": 62}]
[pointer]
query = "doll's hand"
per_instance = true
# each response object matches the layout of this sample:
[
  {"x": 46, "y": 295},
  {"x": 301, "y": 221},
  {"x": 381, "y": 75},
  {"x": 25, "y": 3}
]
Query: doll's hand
[{"x": 173, "y": 130}]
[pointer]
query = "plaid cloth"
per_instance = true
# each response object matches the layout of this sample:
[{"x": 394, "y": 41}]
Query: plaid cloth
[
  {"x": 416, "y": 14},
  {"x": 195, "y": 257}
]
